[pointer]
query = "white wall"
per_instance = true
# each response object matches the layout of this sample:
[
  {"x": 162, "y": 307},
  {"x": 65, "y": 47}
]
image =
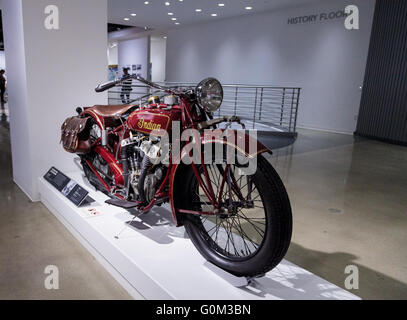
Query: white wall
[
  {"x": 2, "y": 60},
  {"x": 17, "y": 94},
  {"x": 50, "y": 73},
  {"x": 158, "y": 59},
  {"x": 323, "y": 58},
  {"x": 113, "y": 55},
  {"x": 134, "y": 51}
]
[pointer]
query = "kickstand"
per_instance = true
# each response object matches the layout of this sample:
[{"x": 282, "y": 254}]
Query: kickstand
[
  {"x": 251, "y": 279},
  {"x": 127, "y": 225}
]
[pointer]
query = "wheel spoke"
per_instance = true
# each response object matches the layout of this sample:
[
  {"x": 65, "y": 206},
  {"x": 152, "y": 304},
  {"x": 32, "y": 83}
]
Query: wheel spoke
[
  {"x": 231, "y": 236},
  {"x": 261, "y": 232},
  {"x": 234, "y": 234},
  {"x": 245, "y": 235}
]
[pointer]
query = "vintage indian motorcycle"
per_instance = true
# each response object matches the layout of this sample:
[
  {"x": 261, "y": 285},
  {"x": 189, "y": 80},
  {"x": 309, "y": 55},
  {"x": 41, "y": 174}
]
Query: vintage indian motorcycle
[{"x": 241, "y": 223}]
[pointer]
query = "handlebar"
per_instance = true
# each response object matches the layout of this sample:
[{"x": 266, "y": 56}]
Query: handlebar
[
  {"x": 212, "y": 122},
  {"x": 111, "y": 84},
  {"x": 106, "y": 86}
]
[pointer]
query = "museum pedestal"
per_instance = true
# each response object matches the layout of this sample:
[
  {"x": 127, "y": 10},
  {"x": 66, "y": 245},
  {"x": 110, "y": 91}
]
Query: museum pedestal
[{"x": 152, "y": 257}]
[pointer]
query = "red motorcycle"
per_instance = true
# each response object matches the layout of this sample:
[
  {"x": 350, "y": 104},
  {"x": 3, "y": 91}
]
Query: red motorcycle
[{"x": 238, "y": 219}]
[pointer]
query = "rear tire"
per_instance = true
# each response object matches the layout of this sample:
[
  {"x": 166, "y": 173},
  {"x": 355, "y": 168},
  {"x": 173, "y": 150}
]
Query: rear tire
[{"x": 277, "y": 226}]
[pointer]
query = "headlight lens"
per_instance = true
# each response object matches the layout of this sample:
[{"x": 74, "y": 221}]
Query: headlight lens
[{"x": 209, "y": 93}]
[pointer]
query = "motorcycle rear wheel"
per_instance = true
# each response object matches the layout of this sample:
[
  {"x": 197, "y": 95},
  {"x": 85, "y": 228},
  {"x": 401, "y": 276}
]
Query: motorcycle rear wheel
[{"x": 249, "y": 243}]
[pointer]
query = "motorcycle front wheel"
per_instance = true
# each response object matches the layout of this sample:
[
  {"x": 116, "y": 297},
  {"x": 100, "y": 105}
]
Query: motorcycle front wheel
[{"x": 248, "y": 240}]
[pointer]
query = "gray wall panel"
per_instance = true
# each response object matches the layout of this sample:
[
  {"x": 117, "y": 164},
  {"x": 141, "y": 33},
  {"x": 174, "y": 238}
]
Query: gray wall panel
[{"x": 383, "y": 110}]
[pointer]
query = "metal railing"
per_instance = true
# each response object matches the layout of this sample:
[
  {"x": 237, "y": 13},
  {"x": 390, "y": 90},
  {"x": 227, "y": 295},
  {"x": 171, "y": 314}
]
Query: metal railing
[{"x": 260, "y": 107}]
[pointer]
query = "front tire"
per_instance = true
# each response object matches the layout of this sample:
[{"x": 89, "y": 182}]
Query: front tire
[{"x": 263, "y": 242}]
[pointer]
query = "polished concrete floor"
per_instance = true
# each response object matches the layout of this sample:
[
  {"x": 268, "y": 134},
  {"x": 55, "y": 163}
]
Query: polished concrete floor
[
  {"x": 31, "y": 238},
  {"x": 349, "y": 202}
]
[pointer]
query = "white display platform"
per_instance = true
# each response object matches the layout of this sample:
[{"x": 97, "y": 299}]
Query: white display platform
[{"x": 154, "y": 258}]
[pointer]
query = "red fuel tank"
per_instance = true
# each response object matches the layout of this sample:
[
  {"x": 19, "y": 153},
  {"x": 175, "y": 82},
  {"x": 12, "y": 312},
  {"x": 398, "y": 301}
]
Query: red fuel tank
[{"x": 149, "y": 119}]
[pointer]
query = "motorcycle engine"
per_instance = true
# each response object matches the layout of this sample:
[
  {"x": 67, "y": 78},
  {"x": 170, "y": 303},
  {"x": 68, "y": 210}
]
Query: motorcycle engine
[{"x": 142, "y": 170}]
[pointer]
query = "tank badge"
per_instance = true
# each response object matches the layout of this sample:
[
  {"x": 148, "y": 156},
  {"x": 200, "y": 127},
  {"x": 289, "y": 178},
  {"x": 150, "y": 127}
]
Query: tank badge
[{"x": 148, "y": 125}]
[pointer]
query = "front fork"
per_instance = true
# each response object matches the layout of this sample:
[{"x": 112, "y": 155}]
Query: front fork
[{"x": 228, "y": 183}]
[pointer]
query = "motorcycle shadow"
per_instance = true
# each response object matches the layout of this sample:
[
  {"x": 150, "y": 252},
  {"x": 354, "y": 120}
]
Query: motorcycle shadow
[
  {"x": 294, "y": 284},
  {"x": 158, "y": 225}
]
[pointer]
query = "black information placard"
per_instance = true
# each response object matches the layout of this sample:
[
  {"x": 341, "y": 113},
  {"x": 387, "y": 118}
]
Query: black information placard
[
  {"x": 69, "y": 188},
  {"x": 56, "y": 178}
]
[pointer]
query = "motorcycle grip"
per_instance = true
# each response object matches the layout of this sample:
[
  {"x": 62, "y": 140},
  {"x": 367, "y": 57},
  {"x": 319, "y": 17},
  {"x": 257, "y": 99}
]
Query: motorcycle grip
[{"x": 105, "y": 86}]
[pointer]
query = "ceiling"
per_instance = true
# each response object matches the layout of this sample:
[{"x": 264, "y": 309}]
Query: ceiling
[
  {"x": 111, "y": 27},
  {"x": 155, "y": 13}
]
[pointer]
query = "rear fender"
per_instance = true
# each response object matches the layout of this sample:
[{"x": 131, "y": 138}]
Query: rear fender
[
  {"x": 114, "y": 166},
  {"x": 244, "y": 144},
  {"x": 90, "y": 113}
]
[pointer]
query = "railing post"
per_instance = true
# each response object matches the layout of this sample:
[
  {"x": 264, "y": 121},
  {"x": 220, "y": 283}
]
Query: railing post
[
  {"x": 296, "y": 109},
  {"x": 255, "y": 108},
  {"x": 291, "y": 112},
  {"x": 261, "y": 103},
  {"x": 237, "y": 89},
  {"x": 282, "y": 108}
]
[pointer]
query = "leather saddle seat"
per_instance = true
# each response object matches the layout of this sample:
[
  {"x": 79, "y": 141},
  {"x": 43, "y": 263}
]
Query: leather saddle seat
[{"x": 108, "y": 111}]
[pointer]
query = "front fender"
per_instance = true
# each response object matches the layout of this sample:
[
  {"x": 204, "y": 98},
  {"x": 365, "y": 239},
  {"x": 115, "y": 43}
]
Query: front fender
[{"x": 244, "y": 144}]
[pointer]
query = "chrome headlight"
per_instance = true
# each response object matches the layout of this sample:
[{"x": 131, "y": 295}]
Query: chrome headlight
[{"x": 209, "y": 94}]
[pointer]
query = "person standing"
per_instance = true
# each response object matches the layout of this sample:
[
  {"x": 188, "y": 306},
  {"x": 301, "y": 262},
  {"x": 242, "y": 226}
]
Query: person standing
[
  {"x": 2, "y": 85},
  {"x": 126, "y": 87}
]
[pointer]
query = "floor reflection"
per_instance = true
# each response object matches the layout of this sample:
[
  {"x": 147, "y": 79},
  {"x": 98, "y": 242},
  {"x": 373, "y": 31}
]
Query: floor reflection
[
  {"x": 4, "y": 115},
  {"x": 349, "y": 196}
]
